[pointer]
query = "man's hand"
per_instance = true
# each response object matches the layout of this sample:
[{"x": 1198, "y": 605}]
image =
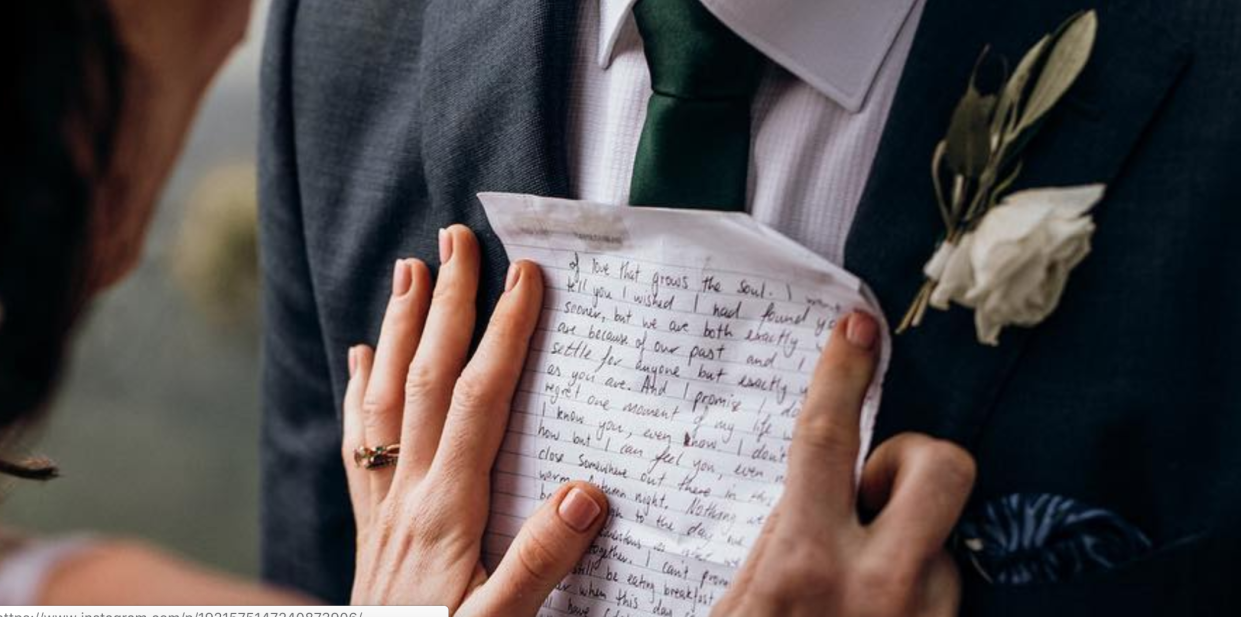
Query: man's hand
[
  {"x": 421, "y": 522},
  {"x": 815, "y": 555}
]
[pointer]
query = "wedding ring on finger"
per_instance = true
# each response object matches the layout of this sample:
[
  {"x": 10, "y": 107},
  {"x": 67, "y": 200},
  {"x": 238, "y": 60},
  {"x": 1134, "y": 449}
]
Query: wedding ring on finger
[{"x": 378, "y": 457}]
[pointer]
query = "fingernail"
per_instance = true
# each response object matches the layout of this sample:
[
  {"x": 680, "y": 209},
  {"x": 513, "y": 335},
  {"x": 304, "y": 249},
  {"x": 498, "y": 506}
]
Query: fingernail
[
  {"x": 445, "y": 246},
  {"x": 514, "y": 275},
  {"x": 578, "y": 510},
  {"x": 401, "y": 278},
  {"x": 862, "y": 330},
  {"x": 353, "y": 361}
]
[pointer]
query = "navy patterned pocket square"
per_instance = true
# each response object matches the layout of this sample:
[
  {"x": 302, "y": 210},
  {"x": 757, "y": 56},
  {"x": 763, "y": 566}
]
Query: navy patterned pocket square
[{"x": 1030, "y": 538}]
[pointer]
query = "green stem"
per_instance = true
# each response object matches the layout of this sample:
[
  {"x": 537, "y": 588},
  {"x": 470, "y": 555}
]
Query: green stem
[{"x": 914, "y": 315}]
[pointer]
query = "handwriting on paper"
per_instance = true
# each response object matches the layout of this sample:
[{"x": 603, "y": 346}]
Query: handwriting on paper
[{"x": 670, "y": 362}]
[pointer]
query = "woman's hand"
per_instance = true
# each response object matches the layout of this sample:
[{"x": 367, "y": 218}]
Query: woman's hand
[
  {"x": 815, "y": 555},
  {"x": 420, "y": 522}
]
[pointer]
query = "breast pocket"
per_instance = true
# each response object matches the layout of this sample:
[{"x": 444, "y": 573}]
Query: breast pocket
[{"x": 1190, "y": 576}]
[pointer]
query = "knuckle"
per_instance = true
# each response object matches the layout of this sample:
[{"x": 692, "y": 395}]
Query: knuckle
[
  {"x": 881, "y": 574},
  {"x": 471, "y": 393},
  {"x": 456, "y": 476},
  {"x": 421, "y": 383},
  {"x": 505, "y": 324},
  {"x": 386, "y": 521},
  {"x": 429, "y": 518},
  {"x": 821, "y": 431},
  {"x": 803, "y": 569},
  {"x": 846, "y": 370},
  {"x": 952, "y": 465},
  {"x": 907, "y": 447},
  {"x": 448, "y": 291},
  {"x": 374, "y": 407},
  {"x": 536, "y": 557},
  {"x": 958, "y": 466},
  {"x": 459, "y": 468}
]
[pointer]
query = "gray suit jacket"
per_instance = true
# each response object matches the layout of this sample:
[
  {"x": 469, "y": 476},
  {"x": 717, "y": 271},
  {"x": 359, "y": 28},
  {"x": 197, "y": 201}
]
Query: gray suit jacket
[{"x": 383, "y": 118}]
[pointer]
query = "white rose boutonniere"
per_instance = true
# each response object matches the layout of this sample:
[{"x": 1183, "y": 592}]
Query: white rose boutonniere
[
  {"x": 1006, "y": 255},
  {"x": 1013, "y": 267}
]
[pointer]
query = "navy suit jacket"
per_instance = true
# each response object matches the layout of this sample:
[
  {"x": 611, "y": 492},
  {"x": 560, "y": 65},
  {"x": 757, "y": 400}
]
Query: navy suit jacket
[{"x": 382, "y": 118}]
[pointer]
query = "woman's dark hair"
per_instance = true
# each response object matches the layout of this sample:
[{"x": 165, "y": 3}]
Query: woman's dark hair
[{"x": 57, "y": 121}]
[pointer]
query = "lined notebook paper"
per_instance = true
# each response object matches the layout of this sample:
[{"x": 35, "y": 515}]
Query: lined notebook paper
[{"x": 673, "y": 353}]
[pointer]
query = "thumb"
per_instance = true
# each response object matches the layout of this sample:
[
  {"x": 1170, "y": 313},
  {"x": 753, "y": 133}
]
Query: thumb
[{"x": 551, "y": 542}]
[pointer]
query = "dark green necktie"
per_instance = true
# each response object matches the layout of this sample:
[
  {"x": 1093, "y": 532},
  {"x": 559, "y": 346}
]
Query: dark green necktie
[{"x": 695, "y": 145}]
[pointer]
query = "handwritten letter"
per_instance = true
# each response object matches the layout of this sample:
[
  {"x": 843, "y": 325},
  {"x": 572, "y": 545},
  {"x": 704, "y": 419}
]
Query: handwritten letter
[{"x": 671, "y": 360}]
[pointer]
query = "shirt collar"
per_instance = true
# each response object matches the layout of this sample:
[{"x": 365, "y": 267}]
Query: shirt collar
[{"x": 835, "y": 46}]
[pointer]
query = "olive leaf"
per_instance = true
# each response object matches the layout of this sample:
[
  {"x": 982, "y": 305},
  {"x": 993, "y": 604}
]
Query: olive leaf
[
  {"x": 946, "y": 212},
  {"x": 1065, "y": 62},
  {"x": 969, "y": 137},
  {"x": 1008, "y": 110}
]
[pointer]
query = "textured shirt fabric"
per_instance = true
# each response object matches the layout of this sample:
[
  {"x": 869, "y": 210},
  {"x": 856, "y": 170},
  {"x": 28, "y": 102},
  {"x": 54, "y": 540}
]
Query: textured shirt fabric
[{"x": 820, "y": 109}]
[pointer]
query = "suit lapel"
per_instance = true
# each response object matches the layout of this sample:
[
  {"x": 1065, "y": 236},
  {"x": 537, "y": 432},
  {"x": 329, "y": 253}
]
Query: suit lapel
[
  {"x": 941, "y": 381},
  {"x": 493, "y": 103}
]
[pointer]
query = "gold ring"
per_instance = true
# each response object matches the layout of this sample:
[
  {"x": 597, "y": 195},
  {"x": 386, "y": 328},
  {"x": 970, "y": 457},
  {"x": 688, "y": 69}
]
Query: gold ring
[{"x": 375, "y": 458}]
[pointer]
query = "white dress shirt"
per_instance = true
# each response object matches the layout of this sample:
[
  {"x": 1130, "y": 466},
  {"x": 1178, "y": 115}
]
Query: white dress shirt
[{"x": 817, "y": 117}]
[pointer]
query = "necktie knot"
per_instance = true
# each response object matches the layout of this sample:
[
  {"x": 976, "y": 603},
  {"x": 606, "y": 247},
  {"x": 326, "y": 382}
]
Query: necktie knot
[
  {"x": 695, "y": 144},
  {"x": 692, "y": 55}
]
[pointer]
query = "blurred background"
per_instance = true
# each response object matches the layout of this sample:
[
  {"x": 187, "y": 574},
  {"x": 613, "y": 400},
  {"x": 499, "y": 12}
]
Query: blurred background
[{"x": 156, "y": 425}]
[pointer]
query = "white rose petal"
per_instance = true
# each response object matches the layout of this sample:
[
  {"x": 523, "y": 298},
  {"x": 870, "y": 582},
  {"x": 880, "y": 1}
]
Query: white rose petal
[
  {"x": 934, "y": 269},
  {"x": 1012, "y": 269}
]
